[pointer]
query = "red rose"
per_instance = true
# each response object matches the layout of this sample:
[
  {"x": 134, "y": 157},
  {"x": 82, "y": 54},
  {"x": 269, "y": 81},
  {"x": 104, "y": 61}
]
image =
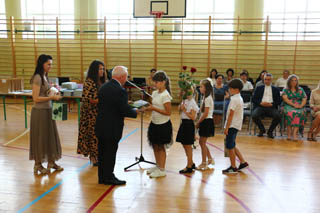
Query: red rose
[
  {"x": 184, "y": 68},
  {"x": 193, "y": 70}
]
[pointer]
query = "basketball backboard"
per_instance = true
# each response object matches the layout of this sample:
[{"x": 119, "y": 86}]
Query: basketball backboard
[{"x": 170, "y": 8}]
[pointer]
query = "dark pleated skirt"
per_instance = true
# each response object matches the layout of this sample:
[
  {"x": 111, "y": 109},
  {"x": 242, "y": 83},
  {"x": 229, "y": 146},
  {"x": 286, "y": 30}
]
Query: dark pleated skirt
[
  {"x": 186, "y": 132},
  {"x": 160, "y": 133},
  {"x": 206, "y": 128}
]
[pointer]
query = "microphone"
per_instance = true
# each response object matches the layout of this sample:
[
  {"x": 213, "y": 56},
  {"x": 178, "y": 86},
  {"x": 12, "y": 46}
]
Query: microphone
[{"x": 141, "y": 90}]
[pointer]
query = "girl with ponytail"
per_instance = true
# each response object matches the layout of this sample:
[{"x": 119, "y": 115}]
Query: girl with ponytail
[{"x": 160, "y": 128}]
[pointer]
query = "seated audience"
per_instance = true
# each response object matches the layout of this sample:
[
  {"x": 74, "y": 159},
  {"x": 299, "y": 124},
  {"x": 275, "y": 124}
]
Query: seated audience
[
  {"x": 220, "y": 90},
  {"x": 266, "y": 100},
  {"x": 247, "y": 86},
  {"x": 230, "y": 74},
  {"x": 294, "y": 99},
  {"x": 260, "y": 79},
  {"x": 315, "y": 106},
  {"x": 150, "y": 83},
  {"x": 282, "y": 82},
  {"x": 149, "y": 79},
  {"x": 249, "y": 79},
  {"x": 212, "y": 76}
]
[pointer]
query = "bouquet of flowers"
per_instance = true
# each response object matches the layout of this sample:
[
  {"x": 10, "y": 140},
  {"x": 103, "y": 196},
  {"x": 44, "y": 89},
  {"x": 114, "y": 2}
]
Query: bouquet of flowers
[{"x": 186, "y": 82}]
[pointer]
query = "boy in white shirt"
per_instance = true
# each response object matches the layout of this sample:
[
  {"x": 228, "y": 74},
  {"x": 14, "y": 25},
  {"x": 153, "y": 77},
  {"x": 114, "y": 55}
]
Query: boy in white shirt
[{"x": 233, "y": 125}]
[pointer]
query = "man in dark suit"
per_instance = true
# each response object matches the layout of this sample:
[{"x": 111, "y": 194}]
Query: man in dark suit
[
  {"x": 112, "y": 108},
  {"x": 266, "y": 100}
]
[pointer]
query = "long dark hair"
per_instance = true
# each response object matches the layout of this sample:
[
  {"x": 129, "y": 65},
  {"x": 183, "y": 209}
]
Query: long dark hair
[
  {"x": 211, "y": 72},
  {"x": 43, "y": 58},
  {"x": 209, "y": 91},
  {"x": 162, "y": 76},
  {"x": 259, "y": 77},
  {"x": 93, "y": 72}
]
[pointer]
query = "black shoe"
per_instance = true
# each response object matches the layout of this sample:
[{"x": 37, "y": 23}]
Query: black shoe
[
  {"x": 186, "y": 170},
  {"x": 270, "y": 135},
  {"x": 243, "y": 165},
  {"x": 230, "y": 170},
  {"x": 261, "y": 133},
  {"x": 114, "y": 181},
  {"x": 193, "y": 166}
]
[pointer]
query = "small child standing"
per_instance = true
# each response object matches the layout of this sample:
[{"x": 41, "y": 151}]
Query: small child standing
[
  {"x": 233, "y": 125},
  {"x": 205, "y": 123},
  {"x": 186, "y": 132}
]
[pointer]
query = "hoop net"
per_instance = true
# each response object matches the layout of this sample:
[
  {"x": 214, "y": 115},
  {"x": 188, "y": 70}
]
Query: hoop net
[{"x": 157, "y": 14}]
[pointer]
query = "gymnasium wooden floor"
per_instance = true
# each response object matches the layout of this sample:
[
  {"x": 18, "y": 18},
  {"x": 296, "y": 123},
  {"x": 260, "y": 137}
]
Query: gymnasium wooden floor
[{"x": 283, "y": 176}]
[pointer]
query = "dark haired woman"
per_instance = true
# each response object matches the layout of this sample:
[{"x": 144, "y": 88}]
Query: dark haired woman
[
  {"x": 260, "y": 77},
  {"x": 230, "y": 74},
  {"x": 87, "y": 140},
  {"x": 44, "y": 138},
  {"x": 294, "y": 101},
  {"x": 212, "y": 76}
]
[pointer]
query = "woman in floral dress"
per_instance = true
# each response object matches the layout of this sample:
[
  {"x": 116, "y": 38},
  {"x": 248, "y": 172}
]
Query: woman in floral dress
[
  {"x": 87, "y": 140},
  {"x": 294, "y": 99}
]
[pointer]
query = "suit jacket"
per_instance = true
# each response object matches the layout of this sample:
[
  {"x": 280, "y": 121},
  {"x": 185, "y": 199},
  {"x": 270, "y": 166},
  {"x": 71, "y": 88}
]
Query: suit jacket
[
  {"x": 112, "y": 108},
  {"x": 258, "y": 95}
]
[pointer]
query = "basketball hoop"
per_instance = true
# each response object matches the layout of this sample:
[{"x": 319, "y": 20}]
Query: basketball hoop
[{"x": 157, "y": 14}]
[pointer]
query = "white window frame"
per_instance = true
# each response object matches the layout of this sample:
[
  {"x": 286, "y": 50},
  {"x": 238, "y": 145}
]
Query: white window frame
[{"x": 47, "y": 21}]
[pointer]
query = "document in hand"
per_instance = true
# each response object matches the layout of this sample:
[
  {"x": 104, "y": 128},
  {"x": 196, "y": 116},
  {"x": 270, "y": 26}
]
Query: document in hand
[{"x": 140, "y": 103}]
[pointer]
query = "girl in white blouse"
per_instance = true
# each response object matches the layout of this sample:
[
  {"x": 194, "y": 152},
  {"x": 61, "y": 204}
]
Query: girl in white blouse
[
  {"x": 186, "y": 132},
  {"x": 160, "y": 128},
  {"x": 205, "y": 123}
]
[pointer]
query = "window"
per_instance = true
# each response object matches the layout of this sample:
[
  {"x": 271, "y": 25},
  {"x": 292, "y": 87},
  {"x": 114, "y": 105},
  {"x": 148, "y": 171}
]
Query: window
[
  {"x": 221, "y": 11},
  {"x": 3, "y": 23},
  {"x": 284, "y": 19},
  {"x": 45, "y": 13},
  {"x": 120, "y": 22}
]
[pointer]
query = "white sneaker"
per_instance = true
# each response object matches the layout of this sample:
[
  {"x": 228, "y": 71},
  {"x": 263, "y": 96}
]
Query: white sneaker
[
  {"x": 149, "y": 171},
  {"x": 158, "y": 173}
]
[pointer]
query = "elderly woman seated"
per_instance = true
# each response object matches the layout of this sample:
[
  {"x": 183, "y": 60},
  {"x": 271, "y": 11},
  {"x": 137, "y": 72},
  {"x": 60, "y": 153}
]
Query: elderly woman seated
[
  {"x": 315, "y": 106},
  {"x": 294, "y": 101}
]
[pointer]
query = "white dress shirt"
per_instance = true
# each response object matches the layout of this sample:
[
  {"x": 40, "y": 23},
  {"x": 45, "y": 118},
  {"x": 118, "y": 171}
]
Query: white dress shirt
[{"x": 267, "y": 95}]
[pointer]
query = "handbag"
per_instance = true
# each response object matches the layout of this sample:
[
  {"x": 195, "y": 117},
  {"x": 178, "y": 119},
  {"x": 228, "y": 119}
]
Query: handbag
[{"x": 59, "y": 111}]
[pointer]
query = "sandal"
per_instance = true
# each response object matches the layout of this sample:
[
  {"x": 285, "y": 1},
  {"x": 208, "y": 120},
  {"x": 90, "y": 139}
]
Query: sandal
[
  {"x": 54, "y": 166},
  {"x": 202, "y": 166},
  {"x": 311, "y": 137},
  {"x": 39, "y": 168},
  {"x": 211, "y": 161}
]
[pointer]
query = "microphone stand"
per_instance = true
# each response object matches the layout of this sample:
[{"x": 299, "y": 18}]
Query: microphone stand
[
  {"x": 140, "y": 89},
  {"x": 141, "y": 158}
]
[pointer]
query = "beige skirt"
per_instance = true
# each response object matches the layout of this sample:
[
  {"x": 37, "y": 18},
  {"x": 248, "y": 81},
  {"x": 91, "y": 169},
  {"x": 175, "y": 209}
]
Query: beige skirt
[{"x": 44, "y": 138}]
